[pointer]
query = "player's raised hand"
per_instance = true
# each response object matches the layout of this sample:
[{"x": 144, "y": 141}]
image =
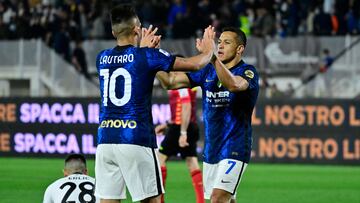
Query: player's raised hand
[
  {"x": 198, "y": 44},
  {"x": 156, "y": 41},
  {"x": 148, "y": 37},
  {"x": 183, "y": 141},
  {"x": 207, "y": 43}
]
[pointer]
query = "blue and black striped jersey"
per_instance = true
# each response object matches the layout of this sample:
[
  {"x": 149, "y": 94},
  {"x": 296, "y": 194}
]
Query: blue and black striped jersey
[
  {"x": 126, "y": 77},
  {"x": 227, "y": 115}
]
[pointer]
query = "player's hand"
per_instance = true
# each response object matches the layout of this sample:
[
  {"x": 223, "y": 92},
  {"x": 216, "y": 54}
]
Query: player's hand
[
  {"x": 160, "y": 129},
  {"x": 207, "y": 43},
  {"x": 183, "y": 141},
  {"x": 148, "y": 37}
]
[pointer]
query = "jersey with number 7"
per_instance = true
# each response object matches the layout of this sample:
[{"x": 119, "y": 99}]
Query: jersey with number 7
[{"x": 126, "y": 75}]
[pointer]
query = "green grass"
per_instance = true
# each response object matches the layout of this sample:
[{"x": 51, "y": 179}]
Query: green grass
[{"x": 25, "y": 180}]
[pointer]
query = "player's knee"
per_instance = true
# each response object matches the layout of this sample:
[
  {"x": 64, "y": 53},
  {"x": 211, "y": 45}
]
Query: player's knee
[
  {"x": 162, "y": 159},
  {"x": 155, "y": 199},
  {"x": 192, "y": 163},
  {"x": 220, "y": 196},
  {"x": 217, "y": 198}
]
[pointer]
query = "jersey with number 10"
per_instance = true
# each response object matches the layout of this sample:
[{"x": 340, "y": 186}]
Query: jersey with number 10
[{"x": 126, "y": 75}]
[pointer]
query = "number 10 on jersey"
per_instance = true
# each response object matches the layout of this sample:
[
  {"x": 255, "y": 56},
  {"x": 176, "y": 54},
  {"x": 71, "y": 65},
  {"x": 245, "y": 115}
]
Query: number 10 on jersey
[{"x": 109, "y": 89}]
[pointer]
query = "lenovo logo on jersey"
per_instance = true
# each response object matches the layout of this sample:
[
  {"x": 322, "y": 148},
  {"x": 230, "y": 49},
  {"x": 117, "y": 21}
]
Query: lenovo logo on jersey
[
  {"x": 118, "y": 124},
  {"x": 220, "y": 94}
]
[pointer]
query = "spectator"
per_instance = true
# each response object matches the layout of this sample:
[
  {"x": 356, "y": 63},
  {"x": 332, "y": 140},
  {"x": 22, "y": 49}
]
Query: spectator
[
  {"x": 62, "y": 42},
  {"x": 327, "y": 61},
  {"x": 328, "y": 5},
  {"x": 177, "y": 12},
  {"x": 322, "y": 23},
  {"x": 325, "y": 66},
  {"x": 177, "y": 8},
  {"x": 334, "y": 22},
  {"x": 275, "y": 92},
  {"x": 352, "y": 22},
  {"x": 289, "y": 92},
  {"x": 79, "y": 59},
  {"x": 246, "y": 21},
  {"x": 264, "y": 23}
]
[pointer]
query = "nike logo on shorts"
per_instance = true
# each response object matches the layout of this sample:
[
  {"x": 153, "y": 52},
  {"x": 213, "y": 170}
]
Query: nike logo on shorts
[{"x": 224, "y": 181}]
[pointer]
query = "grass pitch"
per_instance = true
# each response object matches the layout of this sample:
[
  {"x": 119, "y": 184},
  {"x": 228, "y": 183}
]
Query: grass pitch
[{"x": 25, "y": 180}]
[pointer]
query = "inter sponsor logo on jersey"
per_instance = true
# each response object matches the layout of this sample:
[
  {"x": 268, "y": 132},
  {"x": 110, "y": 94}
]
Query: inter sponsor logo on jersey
[
  {"x": 118, "y": 123},
  {"x": 220, "y": 94}
]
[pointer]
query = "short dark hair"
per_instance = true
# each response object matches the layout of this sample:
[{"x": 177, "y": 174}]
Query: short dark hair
[
  {"x": 122, "y": 13},
  {"x": 122, "y": 20},
  {"x": 240, "y": 34},
  {"x": 75, "y": 157}
]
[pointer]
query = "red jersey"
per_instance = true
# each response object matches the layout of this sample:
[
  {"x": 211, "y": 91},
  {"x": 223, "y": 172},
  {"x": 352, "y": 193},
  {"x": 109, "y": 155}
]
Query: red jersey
[{"x": 178, "y": 97}]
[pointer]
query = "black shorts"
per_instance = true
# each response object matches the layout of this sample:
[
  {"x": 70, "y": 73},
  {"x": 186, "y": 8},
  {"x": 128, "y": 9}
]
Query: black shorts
[{"x": 170, "y": 145}]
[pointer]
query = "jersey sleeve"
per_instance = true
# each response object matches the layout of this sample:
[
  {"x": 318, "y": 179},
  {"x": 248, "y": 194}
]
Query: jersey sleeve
[
  {"x": 250, "y": 74},
  {"x": 159, "y": 59},
  {"x": 184, "y": 95},
  {"x": 197, "y": 78}
]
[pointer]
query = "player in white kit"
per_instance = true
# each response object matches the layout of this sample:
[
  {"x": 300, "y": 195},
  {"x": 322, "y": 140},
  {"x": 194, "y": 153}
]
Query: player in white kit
[{"x": 75, "y": 187}]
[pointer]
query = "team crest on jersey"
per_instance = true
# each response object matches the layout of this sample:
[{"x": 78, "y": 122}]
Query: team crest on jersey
[
  {"x": 249, "y": 74},
  {"x": 219, "y": 84},
  {"x": 164, "y": 52}
]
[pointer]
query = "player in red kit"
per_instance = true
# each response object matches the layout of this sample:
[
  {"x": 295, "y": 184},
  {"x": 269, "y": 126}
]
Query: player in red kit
[{"x": 182, "y": 133}]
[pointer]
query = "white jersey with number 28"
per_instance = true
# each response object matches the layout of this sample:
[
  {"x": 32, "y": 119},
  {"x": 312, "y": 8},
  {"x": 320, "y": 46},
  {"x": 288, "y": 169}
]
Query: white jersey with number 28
[{"x": 75, "y": 188}]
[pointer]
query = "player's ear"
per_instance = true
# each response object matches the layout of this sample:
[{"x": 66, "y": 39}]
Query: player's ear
[
  {"x": 240, "y": 49},
  {"x": 66, "y": 173},
  {"x": 85, "y": 172},
  {"x": 113, "y": 33},
  {"x": 137, "y": 31}
]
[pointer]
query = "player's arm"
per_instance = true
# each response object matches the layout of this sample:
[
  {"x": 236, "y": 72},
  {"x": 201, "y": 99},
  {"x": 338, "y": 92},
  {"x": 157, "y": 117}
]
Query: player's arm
[
  {"x": 185, "y": 117},
  {"x": 160, "y": 129},
  {"x": 192, "y": 63},
  {"x": 173, "y": 80},
  {"x": 230, "y": 81},
  {"x": 206, "y": 46}
]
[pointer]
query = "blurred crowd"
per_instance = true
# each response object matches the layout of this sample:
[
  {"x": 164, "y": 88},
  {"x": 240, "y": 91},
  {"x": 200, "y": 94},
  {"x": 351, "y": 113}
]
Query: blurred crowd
[
  {"x": 59, "y": 20},
  {"x": 261, "y": 18}
]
